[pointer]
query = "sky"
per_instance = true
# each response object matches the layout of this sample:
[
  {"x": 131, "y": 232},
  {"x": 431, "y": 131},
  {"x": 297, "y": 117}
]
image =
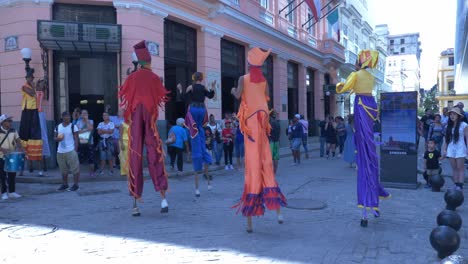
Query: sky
[{"x": 433, "y": 19}]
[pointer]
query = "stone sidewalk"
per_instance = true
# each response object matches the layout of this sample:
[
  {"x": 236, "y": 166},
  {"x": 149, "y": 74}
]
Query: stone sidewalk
[{"x": 94, "y": 224}]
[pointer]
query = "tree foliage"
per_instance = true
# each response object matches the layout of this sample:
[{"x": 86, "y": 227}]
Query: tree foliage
[{"x": 429, "y": 100}]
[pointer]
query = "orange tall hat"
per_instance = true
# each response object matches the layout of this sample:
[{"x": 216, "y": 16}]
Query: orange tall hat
[
  {"x": 368, "y": 58},
  {"x": 142, "y": 53},
  {"x": 256, "y": 57}
]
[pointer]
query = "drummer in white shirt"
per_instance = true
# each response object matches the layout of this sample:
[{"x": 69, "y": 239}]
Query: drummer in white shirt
[{"x": 9, "y": 141}]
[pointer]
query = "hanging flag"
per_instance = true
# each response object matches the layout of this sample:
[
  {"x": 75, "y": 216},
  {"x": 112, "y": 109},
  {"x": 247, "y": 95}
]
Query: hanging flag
[
  {"x": 333, "y": 19},
  {"x": 316, "y": 8}
]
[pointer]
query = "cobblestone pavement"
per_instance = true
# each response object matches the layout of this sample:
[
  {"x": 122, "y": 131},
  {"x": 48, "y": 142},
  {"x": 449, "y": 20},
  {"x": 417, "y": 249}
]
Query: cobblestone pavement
[{"x": 94, "y": 224}]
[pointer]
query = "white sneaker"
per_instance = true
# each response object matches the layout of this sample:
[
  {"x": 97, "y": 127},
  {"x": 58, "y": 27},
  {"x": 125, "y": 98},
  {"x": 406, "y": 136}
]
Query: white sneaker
[
  {"x": 4, "y": 196},
  {"x": 231, "y": 167},
  {"x": 14, "y": 195},
  {"x": 280, "y": 219},
  {"x": 197, "y": 193},
  {"x": 226, "y": 167},
  {"x": 164, "y": 203},
  {"x": 209, "y": 187}
]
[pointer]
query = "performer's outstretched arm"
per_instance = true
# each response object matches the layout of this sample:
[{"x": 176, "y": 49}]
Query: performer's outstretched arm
[
  {"x": 348, "y": 85},
  {"x": 237, "y": 92}
]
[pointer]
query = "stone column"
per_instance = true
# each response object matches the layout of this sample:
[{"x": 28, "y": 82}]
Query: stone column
[
  {"x": 209, "y": 62},
  {"x": 319, "y": 95},
  {"x": 302, "y": 98}
]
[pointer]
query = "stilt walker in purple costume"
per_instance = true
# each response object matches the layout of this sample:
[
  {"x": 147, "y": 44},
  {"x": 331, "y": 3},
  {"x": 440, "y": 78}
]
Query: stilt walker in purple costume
[{"x": 361, "y": 82}]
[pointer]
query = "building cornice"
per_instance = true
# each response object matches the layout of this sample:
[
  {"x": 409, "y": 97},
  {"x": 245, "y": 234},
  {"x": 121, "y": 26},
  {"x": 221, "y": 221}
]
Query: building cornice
[
  {"x": 129, "y": 5},
  {"x": 10, "y": 3},
  {"x": 249, "y": 21},
  {"x": 212, "y": 32}
]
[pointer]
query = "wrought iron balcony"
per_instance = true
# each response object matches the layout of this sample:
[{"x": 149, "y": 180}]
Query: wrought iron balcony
[{"x": 74, "y": 36}]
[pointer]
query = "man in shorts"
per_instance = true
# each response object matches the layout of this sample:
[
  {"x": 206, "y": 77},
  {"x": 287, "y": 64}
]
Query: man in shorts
[
  {"x": 297, "y": 133},
  {"x": 66, "y": 135},
  {"x": 274, "y": 138}
]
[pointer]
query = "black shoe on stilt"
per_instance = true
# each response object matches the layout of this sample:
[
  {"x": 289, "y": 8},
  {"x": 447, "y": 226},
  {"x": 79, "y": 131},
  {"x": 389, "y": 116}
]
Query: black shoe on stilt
[
  {"x": 165, "y": 210},
  {"x": 363, "y": 222},
  {"x": 249, "y": 230}
]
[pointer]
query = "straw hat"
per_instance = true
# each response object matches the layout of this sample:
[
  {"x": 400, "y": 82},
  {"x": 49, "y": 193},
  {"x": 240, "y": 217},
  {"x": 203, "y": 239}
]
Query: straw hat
[{"x": 457, "y": 111}]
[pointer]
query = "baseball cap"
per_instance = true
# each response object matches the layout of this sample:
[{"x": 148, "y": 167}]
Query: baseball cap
[
  {"x": 298, "y": 116},
  {"x": 4, "y": 117}
]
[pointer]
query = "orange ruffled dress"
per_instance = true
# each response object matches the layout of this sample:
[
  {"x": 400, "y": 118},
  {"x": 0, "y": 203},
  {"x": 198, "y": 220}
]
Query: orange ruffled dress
[{"x": 260, "y": 188}]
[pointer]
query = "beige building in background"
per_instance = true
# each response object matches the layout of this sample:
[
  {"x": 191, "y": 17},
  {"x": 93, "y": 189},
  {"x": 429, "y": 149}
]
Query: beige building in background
[{"x": 447, "y": 95}]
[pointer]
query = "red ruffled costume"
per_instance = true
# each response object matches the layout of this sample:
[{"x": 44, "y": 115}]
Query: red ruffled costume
[{"x": 141, "y": 96}]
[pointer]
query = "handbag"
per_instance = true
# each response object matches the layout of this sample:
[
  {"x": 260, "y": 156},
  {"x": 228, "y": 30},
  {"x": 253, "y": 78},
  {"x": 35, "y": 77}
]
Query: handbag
[
  {"x": 84, "y": 137},
  {"x": 171, "y": 139}
]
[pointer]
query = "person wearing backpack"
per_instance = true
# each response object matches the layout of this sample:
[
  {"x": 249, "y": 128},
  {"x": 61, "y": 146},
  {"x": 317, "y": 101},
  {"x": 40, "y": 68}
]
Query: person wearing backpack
[
  {"x": 66, "y": 134},
  {"x": 9, "y": 141}
]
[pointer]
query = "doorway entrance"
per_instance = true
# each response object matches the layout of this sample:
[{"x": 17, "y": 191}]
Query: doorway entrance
[
  {"x": 232, "y": 67},
  {"x": 310, "y": 80},
  {"x": 180, "y": 53},
  {"x": 85, "y": 80}
]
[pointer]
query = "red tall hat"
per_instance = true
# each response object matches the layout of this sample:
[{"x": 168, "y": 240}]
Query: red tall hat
[{"x": 142, "y": 53}]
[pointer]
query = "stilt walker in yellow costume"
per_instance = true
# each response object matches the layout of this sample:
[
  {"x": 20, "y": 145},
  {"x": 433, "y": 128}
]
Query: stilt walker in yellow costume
[
  {"x": 361, "y": 82},
  {"x": 30, "y": 126}
]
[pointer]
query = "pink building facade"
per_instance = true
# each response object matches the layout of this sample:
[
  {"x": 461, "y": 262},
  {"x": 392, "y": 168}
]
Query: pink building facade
[{"x": 89, "y": 47}]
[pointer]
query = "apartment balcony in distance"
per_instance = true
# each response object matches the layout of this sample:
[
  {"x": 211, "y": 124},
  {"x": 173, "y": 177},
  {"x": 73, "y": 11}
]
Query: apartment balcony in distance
[{"x": 332, "y": 47}]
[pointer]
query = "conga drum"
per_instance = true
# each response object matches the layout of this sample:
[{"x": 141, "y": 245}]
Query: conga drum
[{"x": 14, "y": 162}]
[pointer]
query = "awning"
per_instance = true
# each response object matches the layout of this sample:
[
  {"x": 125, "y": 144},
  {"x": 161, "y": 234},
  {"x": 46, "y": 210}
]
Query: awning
[{"x": 74, "y": 36}]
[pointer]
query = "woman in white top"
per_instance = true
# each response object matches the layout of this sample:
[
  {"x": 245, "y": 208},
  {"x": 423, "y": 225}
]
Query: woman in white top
[{"x": 455, "y": 145}]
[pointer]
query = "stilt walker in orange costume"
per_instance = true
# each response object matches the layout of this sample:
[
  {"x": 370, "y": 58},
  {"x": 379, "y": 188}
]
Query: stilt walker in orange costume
[
  {"x": 141, "y": 96},
  {"x": 260, "y": 187}
]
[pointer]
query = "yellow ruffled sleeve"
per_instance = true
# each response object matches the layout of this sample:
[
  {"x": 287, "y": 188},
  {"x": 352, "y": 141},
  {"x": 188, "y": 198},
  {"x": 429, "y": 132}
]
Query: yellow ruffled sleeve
[{"x": 348, "y": 85}]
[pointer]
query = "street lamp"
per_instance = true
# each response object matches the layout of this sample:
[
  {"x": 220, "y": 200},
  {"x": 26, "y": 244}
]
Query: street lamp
[{"x": 26, "y": 53}]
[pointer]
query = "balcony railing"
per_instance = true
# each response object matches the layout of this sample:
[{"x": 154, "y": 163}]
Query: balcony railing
[
  {"x": 73, "y": 36},
  {"x": 331, "y": 46}
]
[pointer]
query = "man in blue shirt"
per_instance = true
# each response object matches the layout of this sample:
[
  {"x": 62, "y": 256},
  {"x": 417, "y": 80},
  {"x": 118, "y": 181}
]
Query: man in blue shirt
[{"x": 176, "y": 141}]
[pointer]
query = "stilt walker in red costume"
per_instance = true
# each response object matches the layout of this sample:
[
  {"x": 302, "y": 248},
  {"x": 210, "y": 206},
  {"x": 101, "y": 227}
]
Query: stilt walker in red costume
[{"x": 141, "y": 96}]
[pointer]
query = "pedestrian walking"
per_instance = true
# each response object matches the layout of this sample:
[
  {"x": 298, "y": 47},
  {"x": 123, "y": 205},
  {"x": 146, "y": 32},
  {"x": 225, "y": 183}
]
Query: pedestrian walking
[
  {"x": 66, "y": 134},
  {"x": 9, "y": 142},
  {"x": 361, "y": 82},
  {"x": 228, "y": 145},
  {"x": 260, "y": 186},
  {"x": 177, "y": 142},
  {"x": 436, "y": 132},
  {"x": 297, "y": 134},
  {"x": 323, "y": 136},
  {"x": 274, "y": 139},
  {"x": 305, "y": 128},
  {"x": 331, "y": 137},
  {"x": 106, "y": 143},
  {"x": 341, "y": 132},
  {"x": 217, "y": 148},
  {"x": 118, "y": 121},
  {"x": 455, "y": 147}
]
